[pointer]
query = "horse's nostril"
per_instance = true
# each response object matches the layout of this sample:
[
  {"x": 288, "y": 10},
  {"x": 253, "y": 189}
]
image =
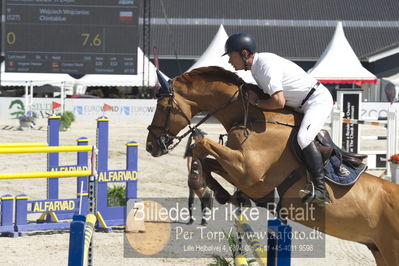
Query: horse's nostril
[{"x": 149, "y": 147}]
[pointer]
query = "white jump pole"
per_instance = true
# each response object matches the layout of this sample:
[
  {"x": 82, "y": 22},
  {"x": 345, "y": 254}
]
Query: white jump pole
[
  {"x": 336, "y": 126},
  {"x": 31, "y": 96},
  {"x": 392, "y": 138},
  {"x": 26, "y": 96},
  {"x": 62, "y": 96}
]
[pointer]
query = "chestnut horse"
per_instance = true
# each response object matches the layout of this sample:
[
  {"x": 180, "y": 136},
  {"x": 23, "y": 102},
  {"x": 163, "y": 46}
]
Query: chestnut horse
[{"x": 257, "y": 158}]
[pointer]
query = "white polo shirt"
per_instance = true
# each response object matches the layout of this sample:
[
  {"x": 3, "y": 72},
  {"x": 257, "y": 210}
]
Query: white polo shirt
[{"x": 274, "y": 73}]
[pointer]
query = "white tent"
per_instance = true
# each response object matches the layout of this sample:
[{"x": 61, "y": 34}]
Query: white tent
[
  {"x": 339, "y": 63},
  {"x": 33, "y": 79},
  {"x": 213, "y": 56},
  {"x": 150, "y": 76}
]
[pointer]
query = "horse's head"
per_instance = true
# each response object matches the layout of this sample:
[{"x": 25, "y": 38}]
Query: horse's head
[
  {"x": 172, "y": 114},
  {"x": 213, "y": 90}
]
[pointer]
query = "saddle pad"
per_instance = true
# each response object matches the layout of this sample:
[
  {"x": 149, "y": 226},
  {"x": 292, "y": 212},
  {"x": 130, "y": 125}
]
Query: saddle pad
[{"x": 342, "y": 174}]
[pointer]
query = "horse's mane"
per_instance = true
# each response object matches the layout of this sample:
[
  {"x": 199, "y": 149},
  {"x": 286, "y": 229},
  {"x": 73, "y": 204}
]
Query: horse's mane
[{"x": 213, "y": 73}]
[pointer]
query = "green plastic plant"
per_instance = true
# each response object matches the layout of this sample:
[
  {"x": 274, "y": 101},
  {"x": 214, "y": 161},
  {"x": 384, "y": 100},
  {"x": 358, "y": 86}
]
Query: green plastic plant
[
  {"x": 233, "y": 247},
  {"x": 116, "y": 196},
  {"x": 67, "y": 118}
]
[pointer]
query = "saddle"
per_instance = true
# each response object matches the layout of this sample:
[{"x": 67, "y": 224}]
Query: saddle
[
  {"x": 329, "y": 151},
  {"x": 327, "y": 147}
]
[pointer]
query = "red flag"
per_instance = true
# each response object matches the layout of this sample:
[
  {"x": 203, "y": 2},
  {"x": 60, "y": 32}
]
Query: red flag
[
  {"x": 56, "y": 105},
  {"x": 107, "y": 107}
]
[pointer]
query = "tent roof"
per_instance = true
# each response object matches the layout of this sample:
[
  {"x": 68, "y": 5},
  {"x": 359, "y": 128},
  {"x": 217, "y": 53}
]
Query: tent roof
[
  {"x": 124, "y": 80},
  {"x": 339, "y": 63},
  {"x": 213, "y": 56},
  {"x": 47, "y": 88},
  {"x": 37, "y": 79}
]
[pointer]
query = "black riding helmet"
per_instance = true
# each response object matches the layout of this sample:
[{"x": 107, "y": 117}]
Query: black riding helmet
[{"x": 238, "y": 42}]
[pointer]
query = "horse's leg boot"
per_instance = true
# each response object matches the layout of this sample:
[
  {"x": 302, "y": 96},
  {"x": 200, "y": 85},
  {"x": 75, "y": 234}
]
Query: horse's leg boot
[
  {"x": 206, "y": 204},
  {"x": 195, "y": 178},
  {"x": 315, "y": 166}
]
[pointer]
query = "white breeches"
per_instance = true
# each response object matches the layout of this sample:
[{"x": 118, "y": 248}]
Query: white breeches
[{"x": 316, "y": 111}]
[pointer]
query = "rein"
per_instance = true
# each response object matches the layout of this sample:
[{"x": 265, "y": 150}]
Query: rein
[
  {"x": 165, "y": 139},
  {"x": 266, "y": 121},
  {"x": 181, "y": 137}
]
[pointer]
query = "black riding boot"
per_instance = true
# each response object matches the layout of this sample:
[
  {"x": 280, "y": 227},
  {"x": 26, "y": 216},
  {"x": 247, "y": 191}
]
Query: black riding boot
[{"x": 314, "y": 163}]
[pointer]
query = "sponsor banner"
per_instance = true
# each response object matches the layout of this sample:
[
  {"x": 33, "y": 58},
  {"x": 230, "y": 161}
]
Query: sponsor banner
[
  {"x": 350, "y": 132},
  {"x": 375, "y": 110},
  {"x": 118, "y": 109},
  {"x": 57, "y": 205},
  {"x": 121, "y": 110},
  {"x": 129, "y": 110}
]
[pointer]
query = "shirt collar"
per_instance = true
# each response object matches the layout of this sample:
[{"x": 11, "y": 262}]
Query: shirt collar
[{"x": 254, "y": 61}]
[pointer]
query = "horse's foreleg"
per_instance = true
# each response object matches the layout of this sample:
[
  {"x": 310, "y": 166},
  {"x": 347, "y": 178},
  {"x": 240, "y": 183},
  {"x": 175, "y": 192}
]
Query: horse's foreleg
[
  {"x": 221, "y": 195},
  {"x": 197, "y": 183},
  {"x": 211, "y": 165},
  {"x": 231, "y": 161}
]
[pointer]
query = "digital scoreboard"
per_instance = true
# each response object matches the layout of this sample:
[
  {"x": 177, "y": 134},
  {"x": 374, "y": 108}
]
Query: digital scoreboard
[{"x": 71, "y": 36}]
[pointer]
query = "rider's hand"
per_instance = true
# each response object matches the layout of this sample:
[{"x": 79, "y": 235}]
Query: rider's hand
[{"x": 252, "y": 97}]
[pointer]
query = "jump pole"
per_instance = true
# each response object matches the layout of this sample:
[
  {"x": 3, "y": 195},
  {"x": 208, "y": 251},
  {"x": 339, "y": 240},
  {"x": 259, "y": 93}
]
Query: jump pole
[
  {"x": 108, "y": 216},
  {"x": 50, "y": 218},
  {"x": 22, "y": 200},
  {"x": 349, "y": 102},
  {"x": 258, "y": 251},
  {"x": 82, "y": 229},
  {"x": 45, "y": 149},
  {"x": 23, "y": 144}
]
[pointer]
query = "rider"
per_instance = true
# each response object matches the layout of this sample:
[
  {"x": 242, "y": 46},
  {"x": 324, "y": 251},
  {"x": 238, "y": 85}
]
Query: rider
[{"x": 288, "y": 85}]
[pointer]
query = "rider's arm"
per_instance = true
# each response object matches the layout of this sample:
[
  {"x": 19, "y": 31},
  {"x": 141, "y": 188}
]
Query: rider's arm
[{"x": 275, "y": 101}]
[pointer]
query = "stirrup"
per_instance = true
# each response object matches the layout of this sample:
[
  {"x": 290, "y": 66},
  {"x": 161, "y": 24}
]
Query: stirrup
[{"x": 308, "y": 195}]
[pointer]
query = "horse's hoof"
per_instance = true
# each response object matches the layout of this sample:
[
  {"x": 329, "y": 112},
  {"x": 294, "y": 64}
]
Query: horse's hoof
[{"x": 204, "y": 222}]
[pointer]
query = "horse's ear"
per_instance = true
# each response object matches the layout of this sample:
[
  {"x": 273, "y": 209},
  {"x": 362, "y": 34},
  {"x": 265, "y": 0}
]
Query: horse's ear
[{"x": 165, "y": 89}]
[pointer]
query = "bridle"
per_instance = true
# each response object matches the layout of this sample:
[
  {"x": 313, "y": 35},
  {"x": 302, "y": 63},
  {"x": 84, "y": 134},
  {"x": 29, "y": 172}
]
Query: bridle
[{"x": 166, "y": 139}]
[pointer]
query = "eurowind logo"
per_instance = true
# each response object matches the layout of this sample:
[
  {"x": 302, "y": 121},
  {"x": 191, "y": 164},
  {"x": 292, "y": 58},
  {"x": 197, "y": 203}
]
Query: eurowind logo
[
  {"x": 125, "y": 110},
  {"x": 78, "y": 110}
]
